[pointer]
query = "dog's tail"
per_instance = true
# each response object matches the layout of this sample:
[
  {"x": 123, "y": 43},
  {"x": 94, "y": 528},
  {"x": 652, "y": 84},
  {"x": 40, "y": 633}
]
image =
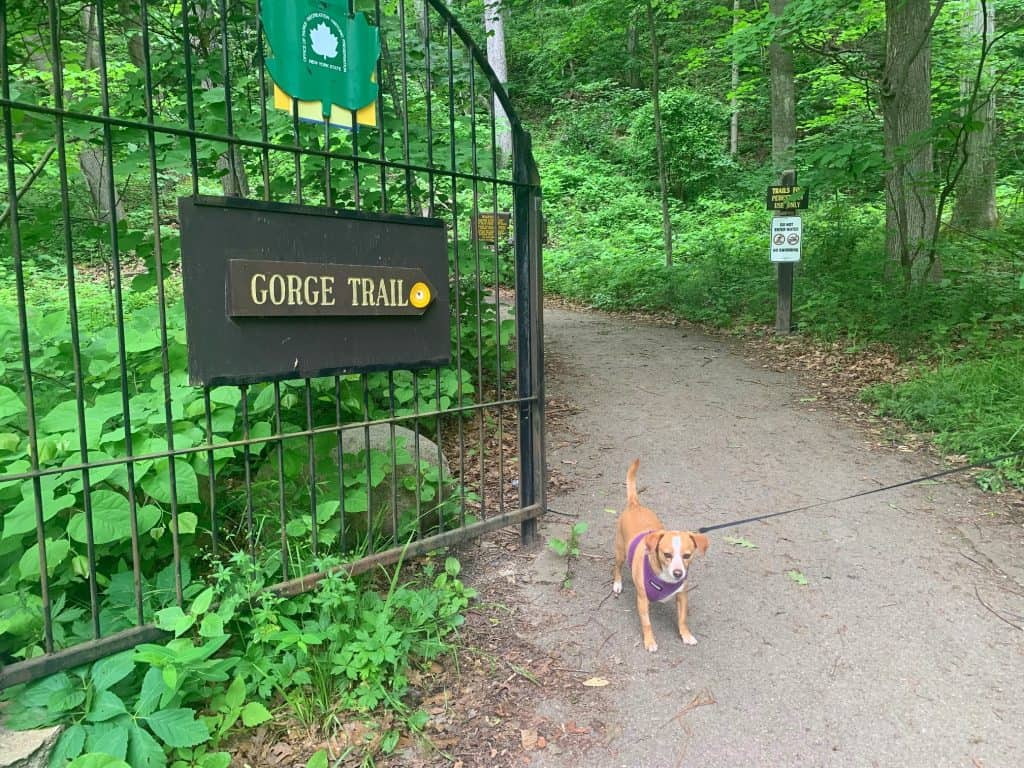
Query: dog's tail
[{"x": 631, "y": 495}]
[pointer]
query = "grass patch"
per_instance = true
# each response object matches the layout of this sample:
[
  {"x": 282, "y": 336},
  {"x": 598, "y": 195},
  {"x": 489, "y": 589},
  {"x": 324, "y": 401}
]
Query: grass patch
[{"x": 972, "y": 407}]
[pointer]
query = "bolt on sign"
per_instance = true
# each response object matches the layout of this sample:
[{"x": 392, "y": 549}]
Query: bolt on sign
[
  {"x": 787, "y": 232},
  {"x": 324, "y": 61},
  {"x": 275, "y": 291},
  {"x": 491, "y": 227},
  {"x": 787, "y": 198}
]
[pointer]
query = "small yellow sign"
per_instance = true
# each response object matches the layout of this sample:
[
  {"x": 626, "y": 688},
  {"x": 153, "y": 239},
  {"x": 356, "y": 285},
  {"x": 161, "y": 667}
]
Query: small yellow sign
[
  {"x": 419, "y": 295},
  {"x": 311, "y": 112}
]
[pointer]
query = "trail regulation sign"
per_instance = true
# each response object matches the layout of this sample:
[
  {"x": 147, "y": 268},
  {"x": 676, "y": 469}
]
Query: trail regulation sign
[{"x": 787, "y": 233}]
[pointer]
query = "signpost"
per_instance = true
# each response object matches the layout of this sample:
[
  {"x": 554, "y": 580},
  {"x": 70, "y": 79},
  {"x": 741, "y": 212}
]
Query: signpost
[
  {"x": 275, "y": 291},
  {"x": 786, "y": 237}
]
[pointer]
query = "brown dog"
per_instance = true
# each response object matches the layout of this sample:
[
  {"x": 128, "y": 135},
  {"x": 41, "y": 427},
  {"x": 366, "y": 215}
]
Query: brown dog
[{"x": 658, "y": 559}]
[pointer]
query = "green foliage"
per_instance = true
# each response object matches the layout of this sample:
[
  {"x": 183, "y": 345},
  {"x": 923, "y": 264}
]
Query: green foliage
[
  {"x": 344, "y": 647},
  {"x": 114, "y": 708},
  {"x": 693, "y": 126},
  {"x": 132, "y": 384},
  {"x": 975, "y": 408},
  {"x": 569, "y": 547}
]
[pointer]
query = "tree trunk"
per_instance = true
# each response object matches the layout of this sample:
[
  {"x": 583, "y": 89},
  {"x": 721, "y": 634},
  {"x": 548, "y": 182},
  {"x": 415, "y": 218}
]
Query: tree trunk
[
  {"x": 780, "y": 59},
  {"x": 494, "y": 24},
  {"x": 734, "y": 105},
  {"x": 975, "y": 206},
  {"x": 92, "y": 38},
  {"x": 907, "y": 121},
  {"x": 666, "y": 219},
  {"x": 235, "y": 181},
  {"x": 632, "y": 58},
  {"x": 96, "y": 170},
  {"x": 422, "y": 22}
]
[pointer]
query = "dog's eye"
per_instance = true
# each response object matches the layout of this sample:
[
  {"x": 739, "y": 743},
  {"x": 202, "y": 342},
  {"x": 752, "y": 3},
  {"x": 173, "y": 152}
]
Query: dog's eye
[{"x": 687, "y": 555}]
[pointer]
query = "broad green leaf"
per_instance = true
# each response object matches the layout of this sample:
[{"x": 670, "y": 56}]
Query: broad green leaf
[
  {"x": 158, "y": 484},
  {"x": 143, "y": 750},
  {"x": 174, "y": 619},
  {"x": 10, "y": 404},
  {"x": 264, "y": 400},
  {"x": 215, "y": 760},
  {"x": 111, "y": 670},
  {"x": 22, "y": 518},
  {"x": 187, "y": 522},
  {"x": 178, "y": 727},
  {"x": 56, "y": 551},
  {"x": 152, "y": 689},
  {"x": 739, "y": 541},
  {"x": 108, "y": 738},
  {"x": 797, "y": 577},
  {"x": 318, "y": 760},
  {"x": 106, "y": 705},
  {"x": 40, "y": 693},
  {"x": 254, "y": 713},
  {"x": 235, "y": 695},
  {"x": 230, "y": 396},
  {"x": 97, "y": 760},
  {"x": 69, "y": 745},
  {"x": 202, "y": 602},
  {"x": 9, "y": 441},
  {"x": 211, "y": 626},
  {"x": 111, "y": 519}
]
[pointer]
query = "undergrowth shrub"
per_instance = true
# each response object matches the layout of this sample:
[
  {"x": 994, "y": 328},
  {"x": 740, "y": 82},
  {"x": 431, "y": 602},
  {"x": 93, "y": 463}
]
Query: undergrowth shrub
[
  {"x": 696, "y": 156},
  {"x": 972, "y": 407},
  {"x": 238, "y": 651}
]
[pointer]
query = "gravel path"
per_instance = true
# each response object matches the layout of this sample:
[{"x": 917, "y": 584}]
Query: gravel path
[{"x": 873, "y": 632}]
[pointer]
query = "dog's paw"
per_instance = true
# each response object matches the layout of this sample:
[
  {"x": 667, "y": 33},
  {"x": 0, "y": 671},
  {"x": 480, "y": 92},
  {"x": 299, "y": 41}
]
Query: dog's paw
[
  {"x": 688, "y": 639},
  {"x": 652, "y": 647},
  {"x": 617, "y": 588}
]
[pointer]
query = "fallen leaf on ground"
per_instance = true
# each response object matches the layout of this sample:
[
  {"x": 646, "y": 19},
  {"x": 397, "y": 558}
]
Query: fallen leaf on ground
[
  {"x": 528, "y": 736},
  {"x": 595, "y": 682}
]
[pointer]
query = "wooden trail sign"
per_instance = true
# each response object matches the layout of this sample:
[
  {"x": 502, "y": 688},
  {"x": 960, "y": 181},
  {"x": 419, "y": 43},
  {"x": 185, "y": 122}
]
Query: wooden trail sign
[
  {"x": 787, "y": 197},
  {"x": 276, "y": 291}
]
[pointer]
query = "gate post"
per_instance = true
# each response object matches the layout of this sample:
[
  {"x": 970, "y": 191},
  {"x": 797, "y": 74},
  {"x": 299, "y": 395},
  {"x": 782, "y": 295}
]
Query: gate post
[{"x": 529, "y": 332}]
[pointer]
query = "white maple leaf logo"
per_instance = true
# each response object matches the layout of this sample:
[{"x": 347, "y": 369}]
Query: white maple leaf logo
[{"x": 324, "y": 41}]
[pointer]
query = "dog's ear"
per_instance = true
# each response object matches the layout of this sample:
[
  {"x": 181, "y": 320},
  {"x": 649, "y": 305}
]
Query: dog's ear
[
  {"x": 652, "y": 539},
  {"x": 700, "y": 541}
]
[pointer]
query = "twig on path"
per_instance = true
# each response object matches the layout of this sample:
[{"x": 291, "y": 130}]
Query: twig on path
[
  {"x": 609, "y": 637},
  {"x": 523, "y": 673},
  {"x": 980, "y": 565},
  {"x": 566, "y": 409},
  {"x": 563, "y": 514},
  {"x": 995, "y": 613},
  {"x": 702, "y": 699}
]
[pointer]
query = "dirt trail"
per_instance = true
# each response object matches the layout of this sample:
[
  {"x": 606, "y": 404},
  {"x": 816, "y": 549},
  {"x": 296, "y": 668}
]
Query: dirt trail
[{"x": 899, "y": 650}]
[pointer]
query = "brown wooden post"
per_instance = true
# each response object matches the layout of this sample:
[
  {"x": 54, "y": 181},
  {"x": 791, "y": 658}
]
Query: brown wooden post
[{"x": 784, "y": 273}]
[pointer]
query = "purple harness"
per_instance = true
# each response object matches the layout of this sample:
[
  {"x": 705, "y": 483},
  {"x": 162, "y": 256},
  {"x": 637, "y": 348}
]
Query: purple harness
[{"x": 657, "y": 589}]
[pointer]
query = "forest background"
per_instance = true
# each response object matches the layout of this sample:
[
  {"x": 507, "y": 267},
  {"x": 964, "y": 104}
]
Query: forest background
[
  {"x": 657, "y": 128},
  {"x": 903, "y": 120}
]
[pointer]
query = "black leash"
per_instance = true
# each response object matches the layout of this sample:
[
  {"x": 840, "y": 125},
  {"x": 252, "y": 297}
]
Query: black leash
[{"x": 943, "y": 473}]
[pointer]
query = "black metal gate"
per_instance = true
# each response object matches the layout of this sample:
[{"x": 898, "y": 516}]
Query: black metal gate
[{"x": 120, "y": 483}]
